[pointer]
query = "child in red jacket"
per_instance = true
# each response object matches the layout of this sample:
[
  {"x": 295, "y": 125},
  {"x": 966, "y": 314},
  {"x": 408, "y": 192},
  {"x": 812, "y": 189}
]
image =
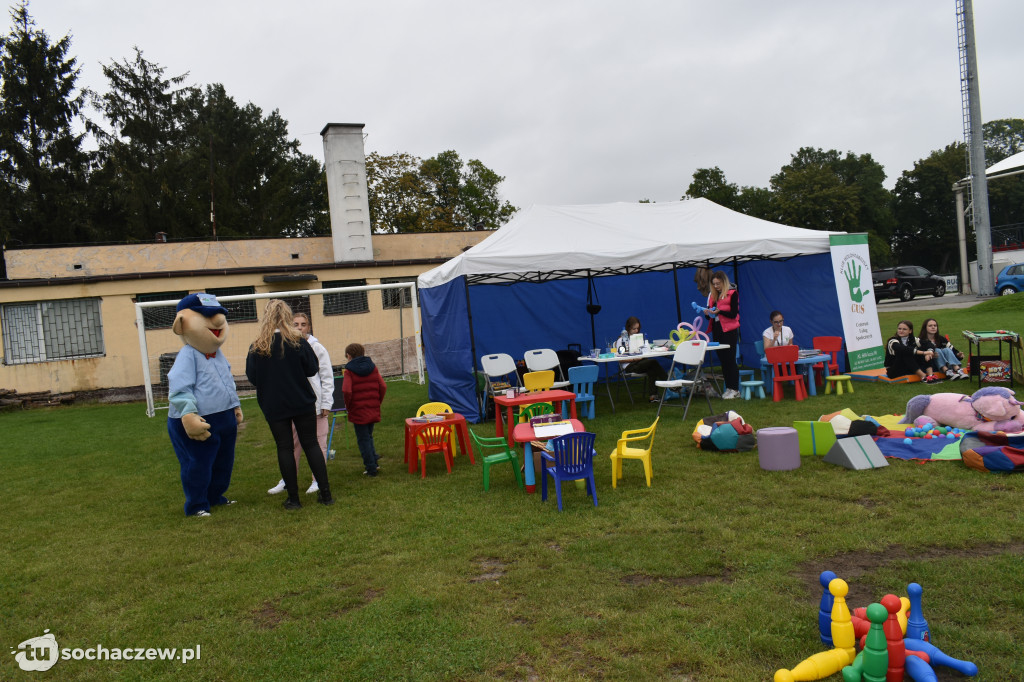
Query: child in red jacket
[{"x": 364, "y": 390}]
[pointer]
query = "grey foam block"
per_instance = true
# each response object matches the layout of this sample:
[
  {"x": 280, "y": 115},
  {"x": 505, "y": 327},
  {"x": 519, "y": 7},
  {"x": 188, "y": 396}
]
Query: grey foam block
[{"x": 859, "y": 452}]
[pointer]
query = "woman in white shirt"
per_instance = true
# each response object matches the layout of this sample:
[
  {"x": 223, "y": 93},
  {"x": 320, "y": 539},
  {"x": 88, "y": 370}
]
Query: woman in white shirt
[{"x": 778, "y": 334}]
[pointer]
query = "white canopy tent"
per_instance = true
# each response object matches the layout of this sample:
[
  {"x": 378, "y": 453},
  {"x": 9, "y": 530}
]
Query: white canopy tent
[
  {"x": 529, "y": 284},
  {"x": 556, "y": 242}
]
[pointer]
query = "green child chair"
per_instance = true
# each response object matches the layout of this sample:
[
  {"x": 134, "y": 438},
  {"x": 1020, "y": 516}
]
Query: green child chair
[{"x": 495, "y": 451}]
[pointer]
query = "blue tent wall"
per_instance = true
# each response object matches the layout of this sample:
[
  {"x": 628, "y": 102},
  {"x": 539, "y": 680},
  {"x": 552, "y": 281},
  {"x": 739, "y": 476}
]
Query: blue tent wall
[{"x": 515, "y": 318}]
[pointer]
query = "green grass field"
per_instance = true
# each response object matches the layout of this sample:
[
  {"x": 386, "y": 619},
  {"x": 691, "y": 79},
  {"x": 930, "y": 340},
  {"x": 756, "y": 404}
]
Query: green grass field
[{"x": 711, "y": 574}]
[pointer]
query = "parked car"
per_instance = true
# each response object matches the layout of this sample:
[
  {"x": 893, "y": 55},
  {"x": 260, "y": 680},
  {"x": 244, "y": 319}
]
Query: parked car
[
  {"x": 1010, "y": 280},
  {"x": 906, "y": 281}
]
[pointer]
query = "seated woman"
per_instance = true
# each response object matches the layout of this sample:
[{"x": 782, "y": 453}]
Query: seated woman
[
  {"x": 904, "y": 355},
  {"x": 647, "y": 366},
  {"x": 947, "y": 358},
  {"x": 778, "y": 334}
]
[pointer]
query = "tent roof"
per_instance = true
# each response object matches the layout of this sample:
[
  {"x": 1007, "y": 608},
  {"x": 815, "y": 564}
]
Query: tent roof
[
  {"x": 561, "y": 242},
  {"x": 1010, "y": 163}
]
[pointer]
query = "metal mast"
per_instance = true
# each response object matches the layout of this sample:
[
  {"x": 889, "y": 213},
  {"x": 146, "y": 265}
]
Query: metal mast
[{"x": 975, "y": 141}]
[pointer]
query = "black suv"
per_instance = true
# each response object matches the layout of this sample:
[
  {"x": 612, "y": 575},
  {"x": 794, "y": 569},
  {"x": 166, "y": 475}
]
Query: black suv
[{"x": 905, "y": 281}]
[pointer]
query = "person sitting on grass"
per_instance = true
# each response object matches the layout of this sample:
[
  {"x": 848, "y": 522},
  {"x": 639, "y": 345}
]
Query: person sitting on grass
[
  {"x": 947, "y": 358},
  {"x": 904, "y": 355}
]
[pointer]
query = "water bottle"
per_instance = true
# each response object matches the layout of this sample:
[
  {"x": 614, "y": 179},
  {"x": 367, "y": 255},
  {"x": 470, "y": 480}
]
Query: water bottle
[{"x": 623, "y": 341}]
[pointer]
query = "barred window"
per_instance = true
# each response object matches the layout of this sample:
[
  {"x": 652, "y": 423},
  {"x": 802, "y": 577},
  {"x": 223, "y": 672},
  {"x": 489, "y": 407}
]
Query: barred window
[
  {"x": 396, "y": 298},
  {"x": 51, "y": 330},
  {"x": 238, "y": 311},
  {"x": 163, "y": 316},
  {"x": 346, "y": 302}
]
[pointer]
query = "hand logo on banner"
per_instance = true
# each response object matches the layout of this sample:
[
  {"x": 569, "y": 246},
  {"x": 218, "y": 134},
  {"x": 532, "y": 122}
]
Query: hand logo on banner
[{"x": 853, "y": 273}]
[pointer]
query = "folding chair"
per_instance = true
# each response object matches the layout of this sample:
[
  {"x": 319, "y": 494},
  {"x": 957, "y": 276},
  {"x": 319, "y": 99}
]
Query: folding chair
[{"x": 688, "y": 354}]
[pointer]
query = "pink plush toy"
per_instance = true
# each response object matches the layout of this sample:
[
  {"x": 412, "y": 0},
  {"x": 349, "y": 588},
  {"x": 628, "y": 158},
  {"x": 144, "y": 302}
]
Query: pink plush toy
[{"x": 993, "y": 408}]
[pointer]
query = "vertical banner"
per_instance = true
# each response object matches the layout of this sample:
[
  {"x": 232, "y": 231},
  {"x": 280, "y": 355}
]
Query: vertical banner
[{"x": 851, "y": 265}]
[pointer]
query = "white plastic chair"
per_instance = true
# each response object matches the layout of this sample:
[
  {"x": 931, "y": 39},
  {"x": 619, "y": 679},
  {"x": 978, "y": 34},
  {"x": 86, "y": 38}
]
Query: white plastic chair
[
  {"x": 540, "y": 359},
  {"x": 499, "y": 367},
  {"x": 691, "y": 354}
]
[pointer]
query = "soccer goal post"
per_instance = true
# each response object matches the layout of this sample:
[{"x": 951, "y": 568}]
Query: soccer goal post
[{"x": 384, "y": 318}]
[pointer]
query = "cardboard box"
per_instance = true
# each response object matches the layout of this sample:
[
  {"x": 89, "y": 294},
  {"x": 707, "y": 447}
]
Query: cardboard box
[{"x": 816, "y": 438}]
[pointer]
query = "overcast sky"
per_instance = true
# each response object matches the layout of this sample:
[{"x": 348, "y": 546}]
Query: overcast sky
[{"x": 577, "y": 102}]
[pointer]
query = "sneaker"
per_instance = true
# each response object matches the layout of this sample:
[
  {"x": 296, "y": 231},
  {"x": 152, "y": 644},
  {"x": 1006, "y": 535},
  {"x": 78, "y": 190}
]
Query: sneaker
[
  {"x": 227, "y": 502},
  {"x": 202, "y": 512},
  {"x": 951, "y": 375},
  {"x": 292, "y": 504},
  {"x": 279, "y": 488},
  {"x": 932, "y": 379},
  {"x": 314, "y": 487},
  {"x": 730, "y": 394},
  {"x": 325, "y": 500},
  {"x": 963, "y": 374},
  {"x": 370, "y": 473}
]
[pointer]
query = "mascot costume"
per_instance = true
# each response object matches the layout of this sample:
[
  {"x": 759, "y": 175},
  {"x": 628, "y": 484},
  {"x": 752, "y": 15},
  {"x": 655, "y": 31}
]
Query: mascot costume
[{"x": 204, "y": 411}]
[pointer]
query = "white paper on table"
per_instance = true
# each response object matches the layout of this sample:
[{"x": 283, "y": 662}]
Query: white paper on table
[
  {"x": 636, "y": 341},
  {"x": 552, "y": 430}
]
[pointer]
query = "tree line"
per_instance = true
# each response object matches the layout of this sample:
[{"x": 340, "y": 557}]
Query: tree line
[
  {"x": 190, "y": 162},
  {"x": 914, "y": 223},
  {"x": 185, "y": 161}
]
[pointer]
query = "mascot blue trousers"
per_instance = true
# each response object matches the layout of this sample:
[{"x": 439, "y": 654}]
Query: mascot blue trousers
[{"x": 205, "y": 465}]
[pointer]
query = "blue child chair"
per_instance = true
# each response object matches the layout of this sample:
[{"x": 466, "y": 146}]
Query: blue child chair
[
  {"x": 573, "y": 457},
  {"x": 582, "y": 379}
]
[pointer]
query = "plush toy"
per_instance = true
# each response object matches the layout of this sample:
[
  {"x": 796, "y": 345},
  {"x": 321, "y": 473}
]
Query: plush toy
[
  {"x": 991, "y": 409},
  {"x": 204, "y": 411}
]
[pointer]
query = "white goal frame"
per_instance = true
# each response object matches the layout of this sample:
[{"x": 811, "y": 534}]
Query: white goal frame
[{"x": 151, "y": 406}]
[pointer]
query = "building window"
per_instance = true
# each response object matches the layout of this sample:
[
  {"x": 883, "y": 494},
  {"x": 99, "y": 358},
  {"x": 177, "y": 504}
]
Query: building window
[
  {"x": 396, "y": 298},
  {"x": 163, "y": 316},
  {"x": 238, "y": 311},
  {"x": 345, "y": 302},
  {"x": 51, "y": 330}
]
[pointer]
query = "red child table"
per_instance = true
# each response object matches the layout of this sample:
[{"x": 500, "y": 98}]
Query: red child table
[
  {"x": 524, "y": 433},
  {"x": 521, "y": 399},
  {"x": 413, "y": 425}
]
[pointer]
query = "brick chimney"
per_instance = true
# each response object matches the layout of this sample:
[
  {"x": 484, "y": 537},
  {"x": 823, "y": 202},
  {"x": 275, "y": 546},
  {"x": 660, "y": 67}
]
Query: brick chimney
[{"x": 347, "y": 197}]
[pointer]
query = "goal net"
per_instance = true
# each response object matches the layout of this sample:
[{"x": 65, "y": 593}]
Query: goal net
[{"x": 384, "y": 318}]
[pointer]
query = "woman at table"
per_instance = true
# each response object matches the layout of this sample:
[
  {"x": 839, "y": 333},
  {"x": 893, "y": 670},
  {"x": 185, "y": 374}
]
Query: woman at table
[
  {"x": 778, "y": 334},
  {"x": 649, "y": 367},
  {"x": 724, "y": 313},
  {"x": 947, "y": 358},
  {"x": 904, "y": 355}
]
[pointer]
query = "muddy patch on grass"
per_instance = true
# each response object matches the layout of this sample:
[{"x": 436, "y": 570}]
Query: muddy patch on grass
[
  {"x": 853, "y": 566},
  {"x": 490, "y": 569},
  {"x": 644, "y": 579},
  {"x": 268, "y": 616}
]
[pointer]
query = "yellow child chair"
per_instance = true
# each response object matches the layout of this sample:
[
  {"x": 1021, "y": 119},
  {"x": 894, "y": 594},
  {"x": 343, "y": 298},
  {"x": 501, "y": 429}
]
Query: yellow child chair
[
  {"x": 438, "y": 408},
  {"x": 630, "y": 446},
  {"x": 534, "y": 382}
]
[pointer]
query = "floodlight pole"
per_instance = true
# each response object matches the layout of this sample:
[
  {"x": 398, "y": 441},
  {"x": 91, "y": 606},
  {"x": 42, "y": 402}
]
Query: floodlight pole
[{"x": 974, "y": 136}]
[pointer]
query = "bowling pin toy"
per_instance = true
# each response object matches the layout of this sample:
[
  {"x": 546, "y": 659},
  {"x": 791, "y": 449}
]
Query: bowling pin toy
[
  {"x": 919, "y": 671},
  {"x": 876, "y": 653},
  {"x": 902, "y": 615},
  {"x": 917, "y": 626},
  {"x": 894, "y": 639},
  {"x": 855, "y": 671},
  {"x": 938, "y": 657},
  {"x": 825, "y": 608},
  {"x": 815, "y": 667},
  {"x": 842, "y": 628}
]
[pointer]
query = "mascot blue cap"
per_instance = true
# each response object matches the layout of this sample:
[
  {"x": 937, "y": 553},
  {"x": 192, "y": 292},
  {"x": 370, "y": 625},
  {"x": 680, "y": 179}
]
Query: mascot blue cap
[{"x": 203, "y": 303}]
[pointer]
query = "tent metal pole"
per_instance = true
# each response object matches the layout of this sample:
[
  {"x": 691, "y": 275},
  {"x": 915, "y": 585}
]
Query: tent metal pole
[
  {"x": 675, "y": 285},
  {"x": 472, "y": 347}
]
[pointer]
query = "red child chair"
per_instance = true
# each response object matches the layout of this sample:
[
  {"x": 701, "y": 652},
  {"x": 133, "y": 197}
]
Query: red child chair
[
  {"x": 833, "y": 345},
  {"x": 784, "y": 368},
  {"x": 435, "y": 438}
]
